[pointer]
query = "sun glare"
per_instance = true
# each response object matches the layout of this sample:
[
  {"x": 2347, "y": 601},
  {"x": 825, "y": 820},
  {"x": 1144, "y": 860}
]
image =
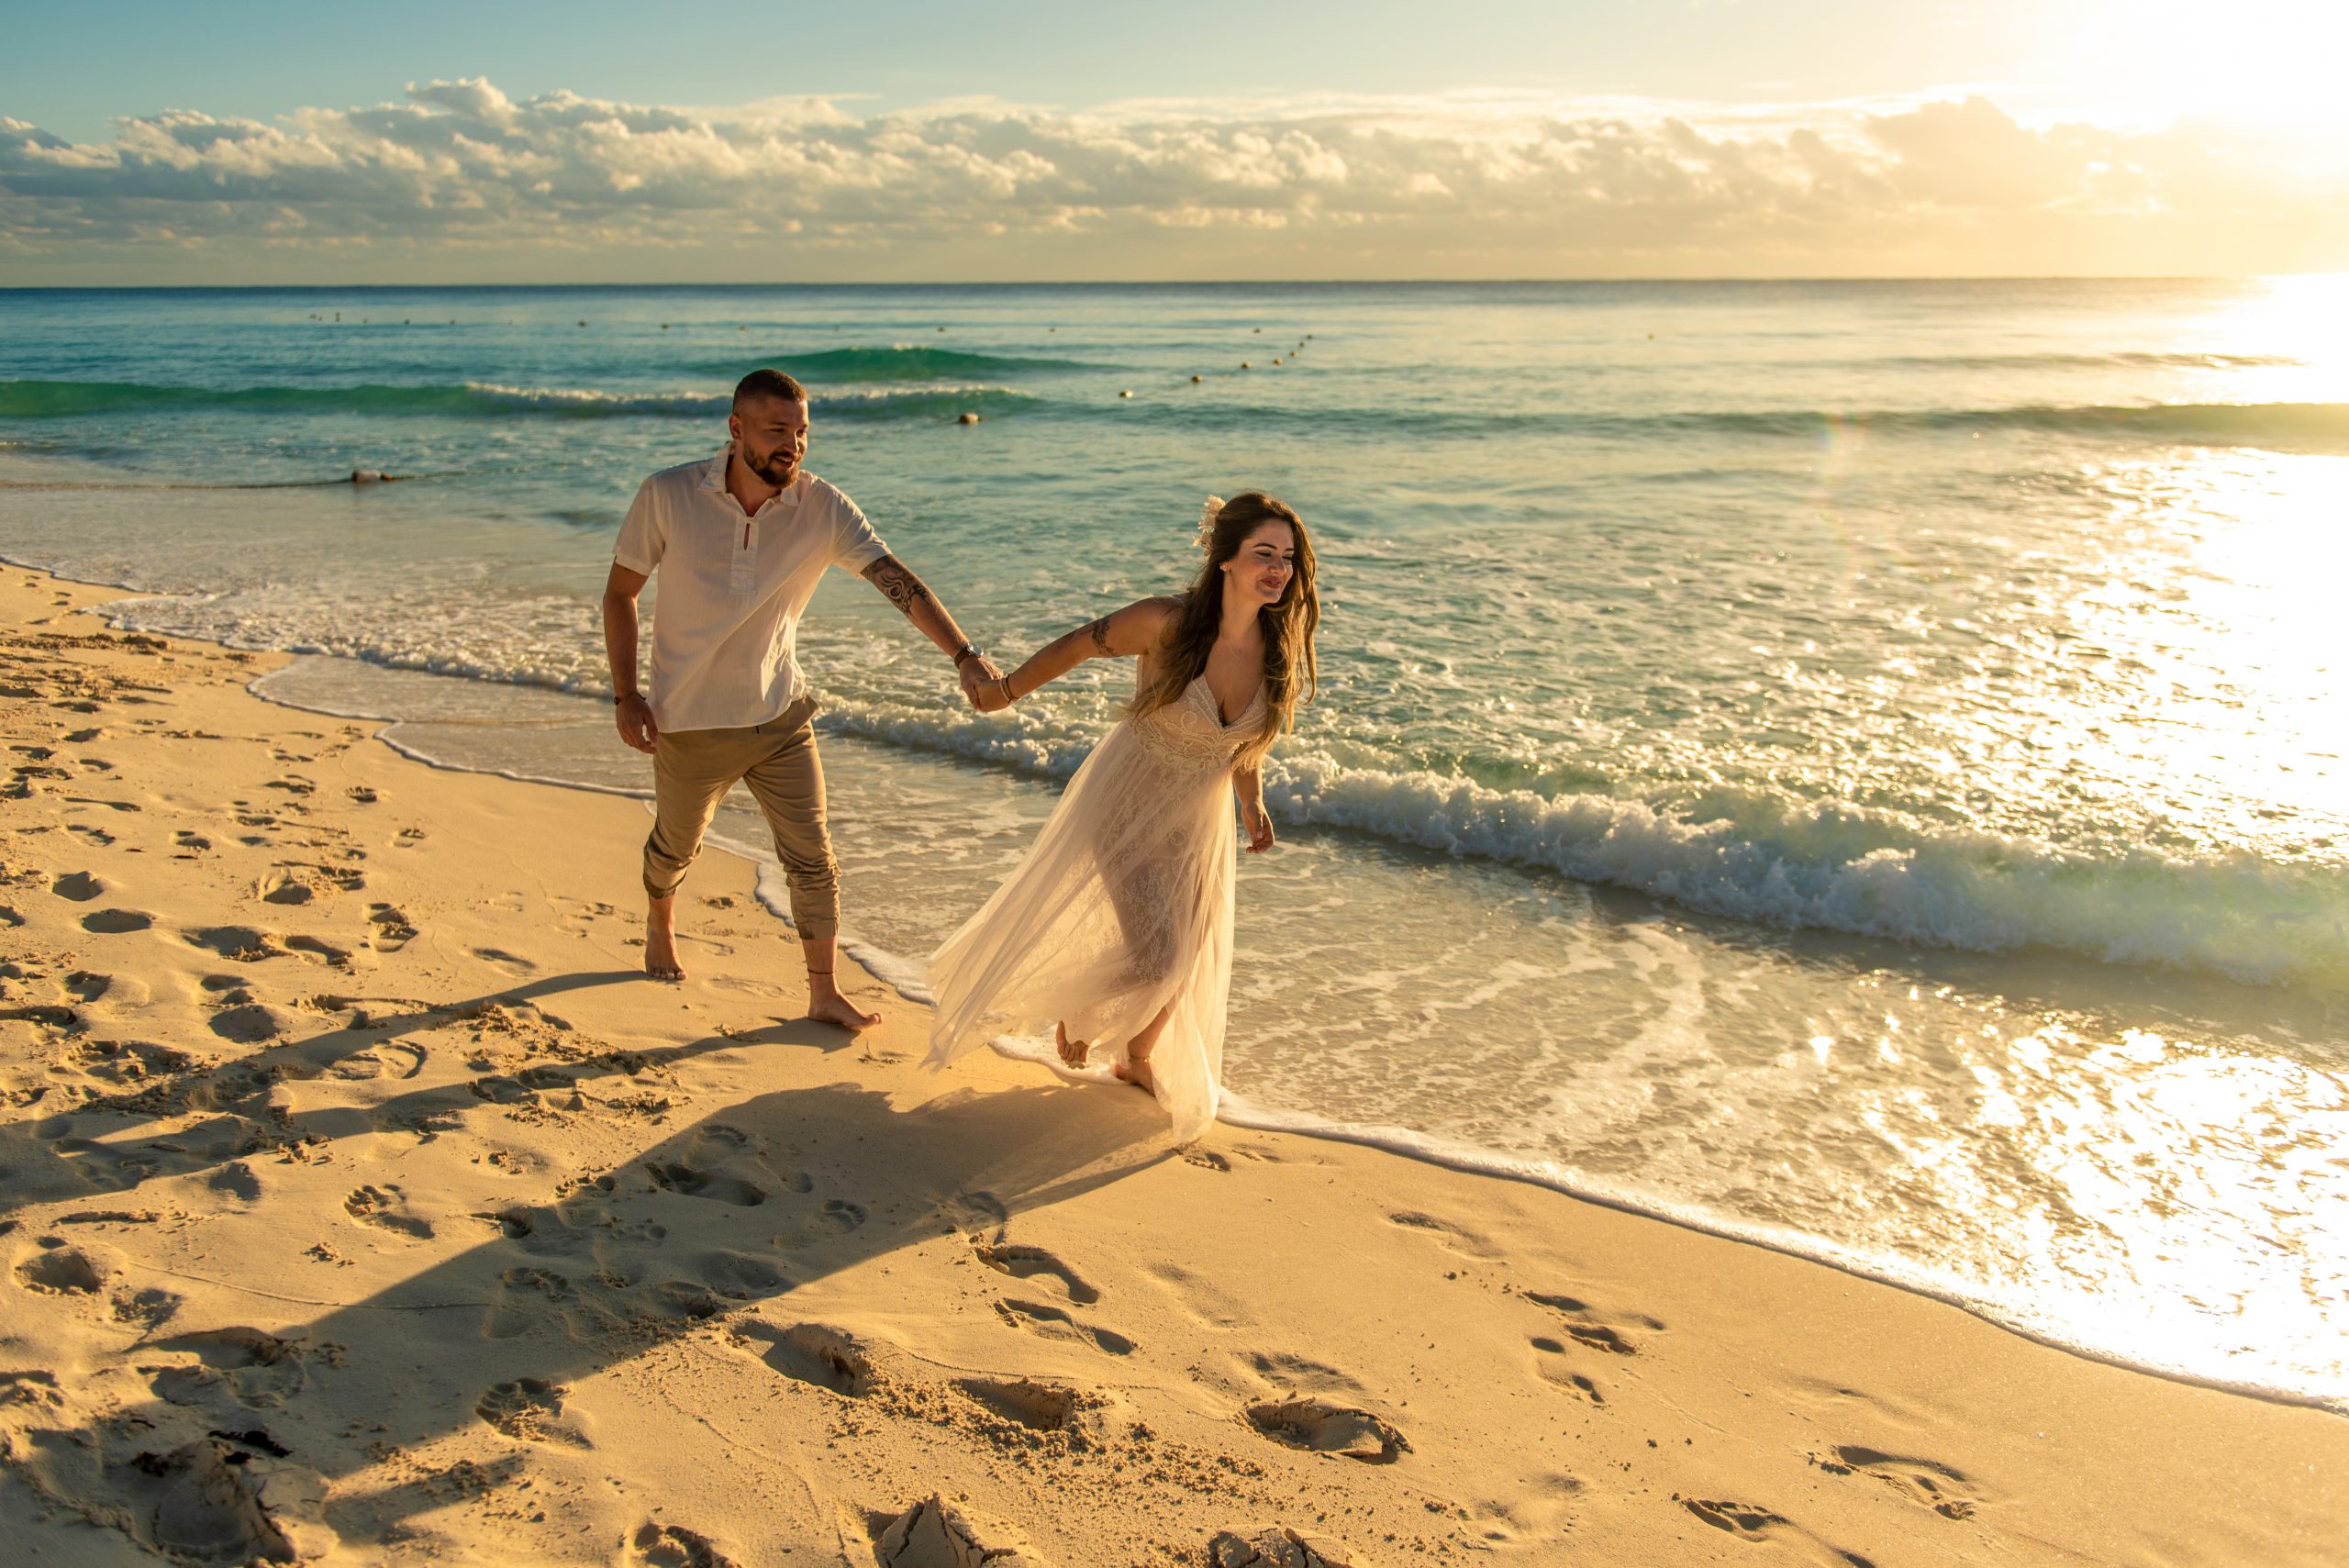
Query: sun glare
[{"x": 2272, "y": 62}]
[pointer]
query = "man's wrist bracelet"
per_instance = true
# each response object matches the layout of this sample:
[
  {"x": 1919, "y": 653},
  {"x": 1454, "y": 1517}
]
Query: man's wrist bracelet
[{"x": 620, "y": 697}]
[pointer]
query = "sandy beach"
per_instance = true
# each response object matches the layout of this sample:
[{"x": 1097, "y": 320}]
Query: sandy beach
[{"x": 364, "y": 1205}]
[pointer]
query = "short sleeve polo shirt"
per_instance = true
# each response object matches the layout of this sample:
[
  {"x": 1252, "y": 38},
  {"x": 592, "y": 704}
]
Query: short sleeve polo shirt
[{"x": 732, "y": 587}]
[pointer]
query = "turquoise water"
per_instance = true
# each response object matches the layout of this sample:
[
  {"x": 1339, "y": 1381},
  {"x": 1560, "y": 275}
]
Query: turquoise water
[{"x": 1853, "y": 765}]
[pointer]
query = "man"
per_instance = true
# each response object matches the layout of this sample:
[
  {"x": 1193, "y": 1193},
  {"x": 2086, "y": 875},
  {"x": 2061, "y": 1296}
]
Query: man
[{"x": 740, "y": 541}]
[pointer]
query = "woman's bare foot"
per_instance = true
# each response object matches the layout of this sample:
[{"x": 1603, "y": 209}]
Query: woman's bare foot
[
  {"x": 1135, "y": 1070},
  {"x": 1073, "y": 1051},
  {"x": 660, "y": 940}
]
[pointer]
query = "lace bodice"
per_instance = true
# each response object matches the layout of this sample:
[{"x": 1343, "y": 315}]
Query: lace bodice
[{"x": 1190, "y": 733}]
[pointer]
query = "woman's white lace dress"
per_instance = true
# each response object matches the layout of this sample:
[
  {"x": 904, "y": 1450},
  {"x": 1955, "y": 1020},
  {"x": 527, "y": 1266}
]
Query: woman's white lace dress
[{"x": 1123, "y": 904}]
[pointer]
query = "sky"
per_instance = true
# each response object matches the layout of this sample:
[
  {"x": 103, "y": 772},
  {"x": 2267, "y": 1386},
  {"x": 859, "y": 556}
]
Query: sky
[{"x": 517, "y": 141}]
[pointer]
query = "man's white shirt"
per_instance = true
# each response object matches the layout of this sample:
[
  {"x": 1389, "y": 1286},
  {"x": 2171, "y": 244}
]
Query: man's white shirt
[{"x": 732, "y": 587}]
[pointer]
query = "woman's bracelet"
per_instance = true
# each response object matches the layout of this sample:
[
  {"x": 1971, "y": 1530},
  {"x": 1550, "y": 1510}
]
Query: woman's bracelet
[{"x": 1005, "y": 681}]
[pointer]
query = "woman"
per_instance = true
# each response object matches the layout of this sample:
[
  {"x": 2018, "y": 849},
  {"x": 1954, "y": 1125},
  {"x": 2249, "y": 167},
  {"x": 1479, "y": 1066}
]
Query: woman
[{"x": 1118, "y": 925}]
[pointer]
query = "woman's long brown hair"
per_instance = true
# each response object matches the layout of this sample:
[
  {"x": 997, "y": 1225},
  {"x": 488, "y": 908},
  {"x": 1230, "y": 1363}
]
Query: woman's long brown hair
[{"x": 1291, "y": 674}]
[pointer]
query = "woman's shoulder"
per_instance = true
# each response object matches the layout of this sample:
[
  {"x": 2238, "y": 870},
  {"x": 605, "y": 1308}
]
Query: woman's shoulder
[{"x": 1146, "y": 618}]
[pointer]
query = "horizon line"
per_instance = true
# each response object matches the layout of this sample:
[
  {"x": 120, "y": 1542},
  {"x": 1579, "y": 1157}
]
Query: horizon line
[{"x": 1195, "y": 283}]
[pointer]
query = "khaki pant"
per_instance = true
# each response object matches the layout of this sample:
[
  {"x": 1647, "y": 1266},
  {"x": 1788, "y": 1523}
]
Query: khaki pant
[{"x": 692, "y": 770}]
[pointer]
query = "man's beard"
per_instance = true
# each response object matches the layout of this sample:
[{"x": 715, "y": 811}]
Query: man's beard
[{"x": 776, "y": 470}]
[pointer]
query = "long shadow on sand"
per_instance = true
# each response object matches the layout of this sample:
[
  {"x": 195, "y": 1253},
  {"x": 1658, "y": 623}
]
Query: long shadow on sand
[
  {"x": 56, "y": 1158},
  {"x": 742, "y": 1208}
]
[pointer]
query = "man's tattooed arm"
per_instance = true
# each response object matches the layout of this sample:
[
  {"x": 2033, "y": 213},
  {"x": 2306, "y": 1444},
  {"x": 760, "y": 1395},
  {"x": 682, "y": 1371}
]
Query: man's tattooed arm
[{"x": 895, "y": 579}]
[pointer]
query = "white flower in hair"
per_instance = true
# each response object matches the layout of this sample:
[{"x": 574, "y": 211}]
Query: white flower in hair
[{"x": 1209, "y": 509}]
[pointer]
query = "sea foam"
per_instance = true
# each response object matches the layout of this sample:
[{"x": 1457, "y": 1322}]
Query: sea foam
[{"x": 1793, "y": 864}]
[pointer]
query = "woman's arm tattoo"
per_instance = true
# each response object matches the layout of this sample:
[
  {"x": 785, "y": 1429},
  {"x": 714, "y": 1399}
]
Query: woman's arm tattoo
[
  {"x": 893, "y": 578},
  {"x": 1100, "y": 630}
]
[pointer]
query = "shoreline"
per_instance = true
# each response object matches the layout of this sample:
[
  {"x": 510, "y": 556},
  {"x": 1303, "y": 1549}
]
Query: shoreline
[
  {"x": 899, "y": 975},
  {"x": 868, "y": 1284}
]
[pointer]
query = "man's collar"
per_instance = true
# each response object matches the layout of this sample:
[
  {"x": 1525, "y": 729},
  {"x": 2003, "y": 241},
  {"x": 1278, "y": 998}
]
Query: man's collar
[{"x": 713, "y": 477}]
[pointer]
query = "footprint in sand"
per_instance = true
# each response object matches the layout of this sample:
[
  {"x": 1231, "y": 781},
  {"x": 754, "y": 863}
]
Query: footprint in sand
[
  {"x": 1326, "y": 1427},
  {"x": 512, "y": 963},
  {"x": 1451, "y": 1238},
  {"x": 61, "y": 1270},
  {"x": 1027, "y": 1263},
  {"x": 1295, "y": 1372},
  {"x": 236, "y": 1179},
  {"x": 675, "y": 1546},
  {"x": 815, "y": 1354},
  {"x": 361, "y": 794},
  {"x": 88, "y": 985},
  {"x": 280, "y": 888},
  {"x": 392, "y": 1059},
  {"x": 1277, "y": 1547},
  {"x": 976, "y": 1211},
  {"x": 114, "y": 922},
  {"x": 528, "y": 1298},
  {"x": 1748, "y": 1521},
  {"x": 1602, "y": 1331},
  {"x": 835, "y": 1219},
  {"x": 1551, "y": 1365},
  {"x": 198, "y": 1503},
  {"x": 1039, "y": 1406},
  {"x": 243, "y": 944},
  {"x": 1206, "y": 1159},
  {"x": 256, "y": 1369},
  {"x": 386, "y": 1207},
  {"x": 195, "y": 843},
  {"x": 1925, "y": 1481},
  {"x": 312, "y": 947},
  {"x": 1041, "y": 1317},
  {"x": 391, "y": 930},
  {"x": 530, "y": 1411},
  {"x": 98, "y": 837},
  {"x": 79, "y": 886},
  {"x": 741, "y": 1276},
  {"x": 250, "y": 1023},
  {"x": 676, "y": 1177},
  {"x": 1752, "y": 1522}
]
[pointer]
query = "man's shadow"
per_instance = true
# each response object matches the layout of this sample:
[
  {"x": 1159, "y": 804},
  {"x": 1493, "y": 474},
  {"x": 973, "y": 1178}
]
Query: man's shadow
[
  {"x": 80, "y": 1152},
  {"x": 739, "y": 1210}
]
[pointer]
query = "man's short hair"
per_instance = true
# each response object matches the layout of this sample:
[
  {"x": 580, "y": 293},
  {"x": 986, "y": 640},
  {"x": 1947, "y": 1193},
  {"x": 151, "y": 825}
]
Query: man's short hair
[{"x": 768, "y": 384}]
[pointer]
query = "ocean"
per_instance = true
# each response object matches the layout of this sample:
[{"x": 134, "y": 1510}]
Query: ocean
[{"x": 1850, "y": 766}]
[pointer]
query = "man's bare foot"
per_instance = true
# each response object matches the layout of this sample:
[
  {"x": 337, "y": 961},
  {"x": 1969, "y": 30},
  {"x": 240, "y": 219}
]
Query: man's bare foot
[
  {"x": 1073, "y": 1051},
  {"x": 1136, "y": 1071},
  {"x": 660, "y": 940},
  {"x": 829, "y": 1006}
]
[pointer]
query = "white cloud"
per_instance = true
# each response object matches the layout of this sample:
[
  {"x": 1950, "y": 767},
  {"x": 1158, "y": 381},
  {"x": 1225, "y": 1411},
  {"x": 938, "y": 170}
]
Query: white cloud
[{"x": 461, "y": 180}]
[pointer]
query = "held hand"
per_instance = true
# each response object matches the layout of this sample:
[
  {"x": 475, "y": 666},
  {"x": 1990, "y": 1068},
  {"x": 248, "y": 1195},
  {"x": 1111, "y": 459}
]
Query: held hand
[
  {"x": 982, "y": 684},
  {"x": 1258, "y": 824},
  {"x": 634, "y": 716}
]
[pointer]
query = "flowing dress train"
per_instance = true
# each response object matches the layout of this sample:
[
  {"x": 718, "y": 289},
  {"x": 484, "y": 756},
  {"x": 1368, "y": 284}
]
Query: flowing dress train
[{"x": 1123, "y": 904}]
